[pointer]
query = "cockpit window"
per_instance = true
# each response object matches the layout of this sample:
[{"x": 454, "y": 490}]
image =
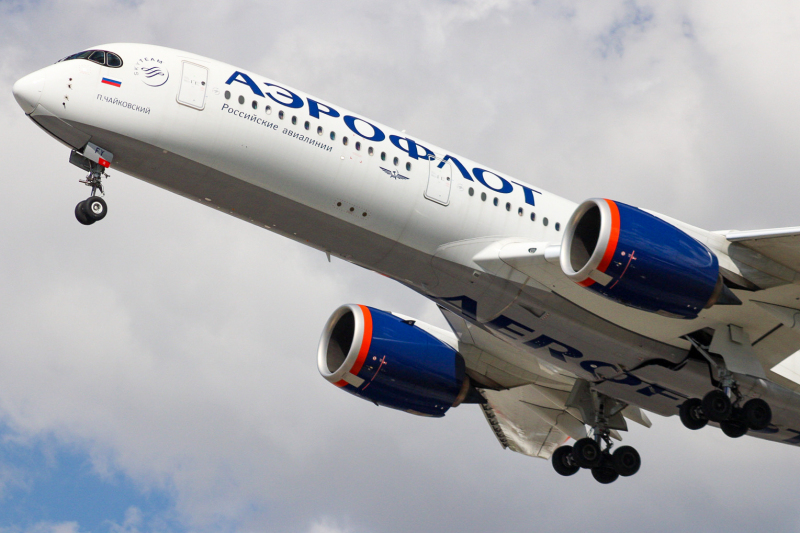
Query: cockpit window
[
  {"x": 98, "y": 56},
  {"x": 79, "y": 55},
  {"x": 113, "y": 60}
]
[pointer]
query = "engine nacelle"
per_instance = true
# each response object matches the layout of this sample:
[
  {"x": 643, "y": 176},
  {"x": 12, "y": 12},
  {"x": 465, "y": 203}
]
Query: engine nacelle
[
  {"x": 639, "y": 260},
  {"x": 390, "y": 361}
]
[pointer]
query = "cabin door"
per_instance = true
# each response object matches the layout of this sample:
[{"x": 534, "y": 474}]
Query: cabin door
[
  {"x": 440, "y": 179},
  {"x": 194, "y": 79}
]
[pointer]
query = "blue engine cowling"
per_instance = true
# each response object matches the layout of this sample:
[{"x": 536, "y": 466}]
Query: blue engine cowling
[
  {"x": 390, "y": 361},
  {"x": 639, "y": 260}
]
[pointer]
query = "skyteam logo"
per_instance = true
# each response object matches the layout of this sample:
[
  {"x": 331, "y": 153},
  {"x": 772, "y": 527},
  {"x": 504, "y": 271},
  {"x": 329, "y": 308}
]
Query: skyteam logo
[{"x": 151, "y": 71}]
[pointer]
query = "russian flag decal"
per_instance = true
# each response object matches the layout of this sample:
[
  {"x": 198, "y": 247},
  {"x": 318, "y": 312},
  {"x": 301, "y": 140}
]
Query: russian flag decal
[{"x": 112, "y": 82}]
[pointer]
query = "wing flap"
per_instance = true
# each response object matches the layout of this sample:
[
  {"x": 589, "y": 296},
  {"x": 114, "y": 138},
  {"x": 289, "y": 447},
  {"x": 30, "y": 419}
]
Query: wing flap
[
  {"x": 525, "y": 421},
  {"x": 782, "y": 245}
]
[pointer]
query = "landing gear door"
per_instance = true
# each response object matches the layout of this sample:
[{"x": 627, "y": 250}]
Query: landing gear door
[
  {"x": 440, "y": 179},
  {"x": 194, "y": 79}
]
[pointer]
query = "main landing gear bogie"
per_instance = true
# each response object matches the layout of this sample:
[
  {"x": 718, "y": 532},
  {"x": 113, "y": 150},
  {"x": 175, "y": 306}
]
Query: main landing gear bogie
[
  {"x": 717, "y": 406},
  {"x": 606, "y": 467}
]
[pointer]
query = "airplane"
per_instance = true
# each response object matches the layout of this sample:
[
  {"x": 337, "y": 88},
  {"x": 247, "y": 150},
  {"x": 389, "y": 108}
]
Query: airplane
[{"x": 567, "y": 321}]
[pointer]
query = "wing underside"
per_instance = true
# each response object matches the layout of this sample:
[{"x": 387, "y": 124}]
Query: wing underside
[{"x": 525, "y": 421}]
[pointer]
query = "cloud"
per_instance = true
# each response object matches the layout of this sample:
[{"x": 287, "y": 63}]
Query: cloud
[
  {"x": 45, "y": 527},
  {"x": 176, "y": 346}
]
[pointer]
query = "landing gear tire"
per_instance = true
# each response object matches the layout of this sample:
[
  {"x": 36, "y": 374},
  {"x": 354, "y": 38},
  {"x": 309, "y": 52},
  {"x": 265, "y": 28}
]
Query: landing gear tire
[
  {"x": 95, "y": 208},
  {"x": 717, "y": 406},
  {"x": 692, "y": 415},
  {"x": 733, "y": 428},
  {"x": 563, "y": 462},
  {"x": 80, "y": 214},
  {"x": 626, "y": 461},
  {"x": 604, "y": 474},
  {"x": 757, "y": 414},
  {"x": 587, "y": 453}
]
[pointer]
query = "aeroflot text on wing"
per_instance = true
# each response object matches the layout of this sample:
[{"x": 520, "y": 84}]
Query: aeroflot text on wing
[{"x": 370, "y": 132}]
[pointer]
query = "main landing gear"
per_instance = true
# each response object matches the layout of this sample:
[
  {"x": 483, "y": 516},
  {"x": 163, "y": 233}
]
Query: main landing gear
[
  {"x": 94, "y": 208},
  {"x": 604, "y": 415},
  {"x": 725, "y": 405},
  {"x": 588, "y": 453},
  {"x": 733, "y": 418}
]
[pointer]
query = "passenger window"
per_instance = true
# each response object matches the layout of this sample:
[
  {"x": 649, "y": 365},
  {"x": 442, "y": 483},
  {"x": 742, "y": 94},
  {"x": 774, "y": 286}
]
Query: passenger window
[
  {"x": 471, "y": 191},
  {"x": 483, "y": 196},
  {"x": 307, "y": 125},
  {"x": 495, "y": 201},
  {"x": 508, "y": 206},
  {"x": 408, "y": 165},
  {"x": 383, "y": 156},
  {"x": 396, "y": 161},
  {"x": 358, "y": 146},
  {"x": 344, "y": 140},
  {"x": 333, "y": 135},
  {"x": 280, "y": 114},
  {"x": 113, "y": 60},
  {"x": 558, "y": 226},
  {"x": 241, "y": 99},
  {"x": 533, "y": 217},
  {"x": 294, "y": 121},
  {"x": 519, "y": 211},
  {"x": 255, "y": 104},
  {"x": 268, "y": 109},
  {"x": 370, "y": 151},
  {"x": 227, "y": 95},
  {"x": 98, "y": 56},
  {"x": 545, "y": 221},
  {"x": 319, "y": 130}
]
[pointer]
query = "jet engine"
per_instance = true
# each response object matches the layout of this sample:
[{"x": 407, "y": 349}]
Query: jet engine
[
  {"x": 639, "y": 260},
  {"x": 391, "y": 361}
]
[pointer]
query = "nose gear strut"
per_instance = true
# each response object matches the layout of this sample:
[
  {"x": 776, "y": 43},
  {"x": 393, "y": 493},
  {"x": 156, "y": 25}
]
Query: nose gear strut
[{"x": 95, "y": 161}]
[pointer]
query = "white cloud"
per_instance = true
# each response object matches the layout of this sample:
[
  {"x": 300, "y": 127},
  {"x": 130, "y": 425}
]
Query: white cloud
[{"x": 45, "y": 527}]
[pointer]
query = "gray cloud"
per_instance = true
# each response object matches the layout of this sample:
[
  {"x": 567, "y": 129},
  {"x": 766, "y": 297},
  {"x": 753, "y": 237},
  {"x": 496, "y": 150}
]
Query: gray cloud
[{"x": 177, "y": 346}]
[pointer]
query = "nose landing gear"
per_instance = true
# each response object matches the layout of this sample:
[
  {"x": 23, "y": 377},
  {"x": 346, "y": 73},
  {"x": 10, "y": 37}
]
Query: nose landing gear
[{"x": 94, "y": 208}]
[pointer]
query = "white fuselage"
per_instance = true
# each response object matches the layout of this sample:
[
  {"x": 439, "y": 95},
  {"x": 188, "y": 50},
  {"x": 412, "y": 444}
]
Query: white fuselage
[{"x": 357, "y": 189}]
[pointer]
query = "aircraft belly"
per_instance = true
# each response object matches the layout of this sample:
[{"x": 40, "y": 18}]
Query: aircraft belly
[{"x": 544, "y": 324}]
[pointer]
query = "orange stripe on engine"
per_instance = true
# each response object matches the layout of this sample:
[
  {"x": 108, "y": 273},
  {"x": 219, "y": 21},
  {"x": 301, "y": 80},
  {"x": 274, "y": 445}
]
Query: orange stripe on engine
[
  {"x": 613, "y": 239},
  {"x": 586, "y": 283},
  {"x": 340, "y": 383},
  {"x": 365, "y": 342}
]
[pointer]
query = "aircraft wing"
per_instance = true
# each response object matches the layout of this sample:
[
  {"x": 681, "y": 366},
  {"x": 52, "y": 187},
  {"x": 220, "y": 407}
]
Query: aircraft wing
[
  {"x": 524, "y": 420},
  {"x": 779, "y": 244},
  {"x": 529, "y": 414}
]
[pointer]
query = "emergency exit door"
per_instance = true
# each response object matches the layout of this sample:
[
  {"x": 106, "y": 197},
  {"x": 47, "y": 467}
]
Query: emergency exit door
[
  {"x": 194, "y": 79},
  {"x": 440, "y": 179}
]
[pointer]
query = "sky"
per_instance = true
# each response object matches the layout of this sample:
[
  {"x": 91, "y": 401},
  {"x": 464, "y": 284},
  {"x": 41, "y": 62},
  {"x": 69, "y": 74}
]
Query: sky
[{"x": 158, "y": 370}]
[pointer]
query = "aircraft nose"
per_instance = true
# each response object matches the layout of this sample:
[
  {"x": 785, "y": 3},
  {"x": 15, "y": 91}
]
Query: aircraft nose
[{"x": 28, "y": 90}]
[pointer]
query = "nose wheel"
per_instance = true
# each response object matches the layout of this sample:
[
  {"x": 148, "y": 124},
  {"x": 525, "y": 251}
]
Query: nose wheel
[
  {"x": 91, "y": 210},
  {"x": 94, "y": 208}
]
